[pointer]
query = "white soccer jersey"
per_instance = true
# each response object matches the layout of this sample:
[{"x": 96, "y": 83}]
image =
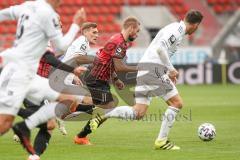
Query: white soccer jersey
[
  {"x": 79, "y": 47},
  {"x": 167, "y": 40},
  {"x": 168, "y": 37},
  {"x": 37, "y": 24}
]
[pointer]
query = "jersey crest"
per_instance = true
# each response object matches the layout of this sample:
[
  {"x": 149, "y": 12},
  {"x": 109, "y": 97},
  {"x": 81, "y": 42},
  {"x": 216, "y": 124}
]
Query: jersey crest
[
  {"x": 83, "y": 47},
  {"x": 172, "y": 39}
]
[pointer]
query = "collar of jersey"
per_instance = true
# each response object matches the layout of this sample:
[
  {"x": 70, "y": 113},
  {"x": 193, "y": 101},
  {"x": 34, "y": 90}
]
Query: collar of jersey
[
  {"x": 123, "y": 38},
  {"x": 183, "y": 26}
]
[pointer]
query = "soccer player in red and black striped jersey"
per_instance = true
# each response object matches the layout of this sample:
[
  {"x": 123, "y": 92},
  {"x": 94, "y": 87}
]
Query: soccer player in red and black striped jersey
[{"x": 107, "y": 62}]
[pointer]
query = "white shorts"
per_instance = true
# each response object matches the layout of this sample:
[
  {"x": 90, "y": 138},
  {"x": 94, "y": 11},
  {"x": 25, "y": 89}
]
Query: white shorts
[
  {"x": 17, "y": 83},
  {"x": 14, "y": 85},
  {"x": 40, "y": 90},
  {"x": 153, "y": 83}
]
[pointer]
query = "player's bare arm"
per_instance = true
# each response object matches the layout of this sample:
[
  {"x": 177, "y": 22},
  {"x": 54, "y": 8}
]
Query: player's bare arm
[
  {"x": 83, "y": 59},
  {"x": 117, "y": 82},
  {"x": 121, "y": 67}
]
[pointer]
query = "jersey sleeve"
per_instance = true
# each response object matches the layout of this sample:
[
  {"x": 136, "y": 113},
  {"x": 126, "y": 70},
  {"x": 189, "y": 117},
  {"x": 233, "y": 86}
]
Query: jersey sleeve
[
  {"x": 52, "y": 25},
  {"x": 53, "y": 31},
  {"x": 164, "y": 56},
  {"x": 11, "y": 13}
]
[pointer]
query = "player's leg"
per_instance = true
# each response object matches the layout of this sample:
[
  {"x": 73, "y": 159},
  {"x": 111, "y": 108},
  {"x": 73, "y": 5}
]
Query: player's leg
[
  {"x": 7, "y": 119},
  {"x": 122, "y": 112},
  {"x": 48, "y": 111},
  {"x": 174, "y": 101},
  {"x": 127, "y": 112},
  {"x": 86, "y": 106},
  {"x": 81, "y": 138},
  {"x": 44, "y": 134},
  {"x": 41, "y": 88},
  {"x": 86, "y": 100},
  {"x": 142, "y": 102},
  {"x": 102, "y": 97},
  {"x": 157, "y": 83},
  {"x": 43, "y": 137},
  {"x": 5, "y": 123},
  {"x": 14, "y": 84},
  {"x": 51, "y": 110},
  {"x": 29, "y": 109},
  {"x": 135, "y": 112}
]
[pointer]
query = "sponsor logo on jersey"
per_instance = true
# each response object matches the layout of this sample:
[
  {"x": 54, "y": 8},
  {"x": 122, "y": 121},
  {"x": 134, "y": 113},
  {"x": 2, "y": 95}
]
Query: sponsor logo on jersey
[
  {"x": 118, "y": 52},
  {"x": 172, "y": 39},
  {"x": 83, "y": 47}
]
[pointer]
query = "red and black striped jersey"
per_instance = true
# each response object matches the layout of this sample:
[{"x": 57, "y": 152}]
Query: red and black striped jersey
[
  {"x": 103, "y": 65},
  {"x": 44, "y": 68}
]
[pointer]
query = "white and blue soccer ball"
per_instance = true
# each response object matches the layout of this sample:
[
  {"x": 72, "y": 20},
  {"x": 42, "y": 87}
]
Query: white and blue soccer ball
[{"x": 206, "y": 132}]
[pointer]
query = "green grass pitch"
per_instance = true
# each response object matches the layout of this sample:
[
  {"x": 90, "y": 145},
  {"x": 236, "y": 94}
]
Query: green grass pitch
[{"x": 133, "y": 140}]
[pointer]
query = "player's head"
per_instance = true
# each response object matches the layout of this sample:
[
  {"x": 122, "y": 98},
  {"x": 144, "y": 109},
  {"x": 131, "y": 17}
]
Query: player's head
[
  {"x": 131, "y": 26},
  {"x": 54, "y": 3},
  {"x": 90, "y": 31},
  {"x": 192, "y": 20}
]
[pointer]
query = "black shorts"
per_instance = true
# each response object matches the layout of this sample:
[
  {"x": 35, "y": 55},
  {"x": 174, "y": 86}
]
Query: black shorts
[
  {"x": 100, "y": 90},
  {"x": 31, "y": 106}
]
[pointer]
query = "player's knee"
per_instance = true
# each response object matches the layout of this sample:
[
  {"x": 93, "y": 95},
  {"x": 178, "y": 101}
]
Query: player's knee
[
  {"x": 68, "y": 100},
  {"x": 4, "y": 126},
  {"x": 139, "y": 115},
  {"x": 87, "y": 100},
  {"x": 140, "y": 111},
  {"x": 175, "y": 101},
  {"x": 51, "y": 124},
  {"x": 178, "y": 104}
]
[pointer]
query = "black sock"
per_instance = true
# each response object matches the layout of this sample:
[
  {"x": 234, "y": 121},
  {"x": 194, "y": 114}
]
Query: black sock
[
  {"x": 24, "y": 113},
  {"x": 85, "y": 108},
  {"x": 86, "y": 130},
  {"x": 41, "y": 141}
]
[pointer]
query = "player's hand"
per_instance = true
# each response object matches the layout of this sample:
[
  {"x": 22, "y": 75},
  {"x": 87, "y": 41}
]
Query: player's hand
[
  {"x": 79, "y": 70},
  {"x": 119, "y": 84},
  {"x": 173, "y": 75},
  {"x": 77, "y": 81},
  {"x": 80, "y": 17}
]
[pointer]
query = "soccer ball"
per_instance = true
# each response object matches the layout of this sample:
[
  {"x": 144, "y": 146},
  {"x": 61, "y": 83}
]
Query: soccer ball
[{"x": 206, "y": 132}]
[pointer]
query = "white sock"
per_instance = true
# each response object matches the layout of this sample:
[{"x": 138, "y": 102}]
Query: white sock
[
  {"x": 45, "y": 113},
  {"x": 124, "y": 112},
  {"x": 167, "y": 123},
  {"x": 108, "y": 110}
]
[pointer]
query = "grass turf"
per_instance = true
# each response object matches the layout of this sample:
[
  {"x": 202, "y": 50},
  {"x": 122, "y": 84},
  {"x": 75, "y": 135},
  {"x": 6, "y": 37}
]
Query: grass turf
[{"x": 129, "y": 140}]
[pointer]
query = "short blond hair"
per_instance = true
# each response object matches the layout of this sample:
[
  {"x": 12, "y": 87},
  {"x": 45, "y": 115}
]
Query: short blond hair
[
  {"x": 88, "y": 25},
  {"x": 130, "y": 21}
]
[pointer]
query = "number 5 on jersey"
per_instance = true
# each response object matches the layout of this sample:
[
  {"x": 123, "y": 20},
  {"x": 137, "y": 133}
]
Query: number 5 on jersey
[{"x": 20, "y": 28}]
